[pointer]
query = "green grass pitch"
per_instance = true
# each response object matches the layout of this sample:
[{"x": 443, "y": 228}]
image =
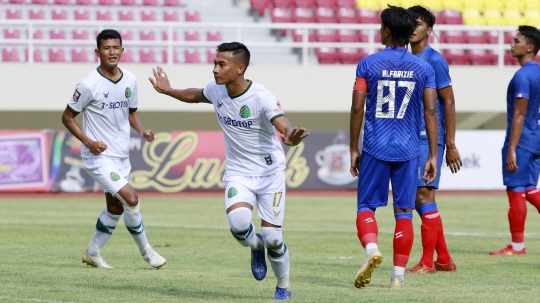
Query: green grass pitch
[{"x": 42, "y": 240}]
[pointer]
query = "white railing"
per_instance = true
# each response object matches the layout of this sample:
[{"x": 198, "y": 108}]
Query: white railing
[{"x": 305, "y": 45}]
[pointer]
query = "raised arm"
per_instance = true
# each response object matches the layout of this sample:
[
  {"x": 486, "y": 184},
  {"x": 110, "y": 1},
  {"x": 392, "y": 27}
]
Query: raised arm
[
  {"x": 520, "y": 110},
  {"x": 162, "y": 85},
  {"x": 430, "y": 116},
  {"x": 289, "y": 136},
  {"x": 68, "y": 119},
  {"x": 453, "y": 159},
  {"x": 357, "y": 117}
]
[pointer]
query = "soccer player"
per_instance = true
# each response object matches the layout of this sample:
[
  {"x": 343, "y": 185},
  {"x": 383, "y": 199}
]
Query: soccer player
[
  {"x": 392, "y": 84},
  {"x": 521, "y": 149},
  {"x": 432, "y": 228},
  {"x": 248, "y": 114},
  {"x": 108, "y": 99}
]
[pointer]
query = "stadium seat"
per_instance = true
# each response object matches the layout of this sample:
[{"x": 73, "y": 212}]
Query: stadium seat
[
  {"x": 327, "y": 55},
  {"x": 350, "y": 55},
  {"x": 59, "y": 14},
  {"x": 12, "y": 33},
  {"x": 297, "y": 35},
  {"x": 173, "y": 3},
  {"x": 492, "y": 37},
  {"x": 311, "y": 4},
  {"x": 171, "y": 16},
  {"x": 38, "y": 1},
  {"x": 83, "y": 2},
  {"x": 103, "y": 15},
  {"x": 517, "y": 5},
  {"x": 147, "y": 55},
  {"x": 105, "y": 2},
  {"x": 61, "y": 2},
  {"x": 367, "y": 16},
  {"x": 37, "y": 34},
  {"x": 474, "y": 36},
  {"x": 150, "y": 3},
  {"x": 332, "y": 4},
  {"x": 368, "y": 4},
  {"x": 148, "y": 15},
  {"x": 509, "y": 60},
  {"x": 165, "y": 56},
  {"x": 284, "y": 3},
  {"x": 450, "y": 16},
  {"x": 191, "y": 35},
  {"x": 452, "y": 37},
  {"x": 36, "y": 14},
  {"x": 347, "y": 15},
  {"x": 56, "y": 55},
  {"x": 512, "y": 17},
  {"x": 346, "y": 4},
  {"x": 326, "y": 35},
  {"x": 281, "y": 15},
  {"x": 57, "y": 34},
  {"x": 213, "y": 35},
  {"x": 493, "y": 17},
  {"x": 260, "y": 6},
  {"x": 79, "y": 55},
  {"x": 325, "y": 15},
  {"x": 532, "y": 17},
  {"x": 481, "y": 57},
  {"x": 210, "y": 55},
  {"x": 37, "y": 56},
  {"x": 147, "y": 35},
  {"x": 125, "y": 15},
  {"x": 363, "y": 35},
  {"x": 472, "y": 16},
  {"x": 509, "y": 37},
  {"x": 377, "y": 36},
  {"x": 81, "y": 14},
  {"x": 126, "y": 34},
  {"x": 192, "y": 56},
  {"x": 456, "y": 5},
  {"x": 165, "y": 35},
  {"x": 303, "y": 15},
  {"x": 128, "y": 2},
  {"x": 10, "y": 54},
  {"x": 16, "y": 1},
  {"x": 347, "y": 35},
  {"x": 192, "y": 16},
  {"x": 127, "y": 56},
  {"x": 493, "y": 4},
  {"x": 456, "y": 56},
  {"x": 79, "y": 34}
]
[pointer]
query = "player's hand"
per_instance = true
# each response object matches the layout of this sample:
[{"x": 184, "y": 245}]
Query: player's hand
[
  {"x": 511, "y": 161},
  {"x": 355, "y": 163},
  {"x": 453, "y": 160},
  {"x": 295, "y": 137},
  {"x": 96, "y": 148},
  {"x": 430, "y": 170},
  {"x": 161, "y": 82},
  {"x": 148, "y": 135}
]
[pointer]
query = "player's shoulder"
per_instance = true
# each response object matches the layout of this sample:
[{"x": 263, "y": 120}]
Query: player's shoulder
[
  {"x": 261, "y": 91},
  {"x": 436, "y": 58},
  {"x": 128, "y": 75},
  {"x": 530, "y": 68},
  {"x": 212, "y": 86}
]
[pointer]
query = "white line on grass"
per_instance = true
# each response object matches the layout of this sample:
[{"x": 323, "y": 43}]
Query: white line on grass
[{"x": 31, "y": 300}]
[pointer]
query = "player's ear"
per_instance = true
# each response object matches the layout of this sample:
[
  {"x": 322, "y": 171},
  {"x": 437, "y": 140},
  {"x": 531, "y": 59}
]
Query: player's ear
[
  {"x": 429, "y": 31},
  {"x": 241, "y": 68}
]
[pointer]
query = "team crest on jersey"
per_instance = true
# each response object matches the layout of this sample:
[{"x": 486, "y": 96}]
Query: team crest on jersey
[
  {"x": 76, "y": 96},
  {"x": 278, "y": 107},
  {"x": 106, "y": 95},
  {"x": 268, "y": 160},
  {"x": 232, "y": 192},
  {"x": 115, "y": 177},
  {"x": 128, "y": 92},
  {"x": 244, "y": 112}
]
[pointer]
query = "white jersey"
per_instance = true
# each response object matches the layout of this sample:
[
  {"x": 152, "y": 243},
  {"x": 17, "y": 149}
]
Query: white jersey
[
  {"x": 105, "y": 106},
  {"x": 251, "y": 145}
]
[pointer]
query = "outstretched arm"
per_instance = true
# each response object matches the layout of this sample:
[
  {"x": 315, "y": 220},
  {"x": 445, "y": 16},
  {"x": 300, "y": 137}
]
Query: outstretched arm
[
  {"x": 520, "y": 110},
  {"x": 453, "y": 160},
  {"x": 68, "y": 119},
  {"x": 162, "y": 85},
  {"x": 357, "y": 118},
  {"x": 135, "y": 122},
  {"x": 289, "y": 136}
]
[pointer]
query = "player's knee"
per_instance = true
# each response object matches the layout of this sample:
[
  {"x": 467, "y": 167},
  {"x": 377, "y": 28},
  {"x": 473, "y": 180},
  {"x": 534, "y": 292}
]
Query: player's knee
[
  {"x": 273, "y": 237},
  {"x": 129, "y": 204},
  {"x": 239, "y": 219}
]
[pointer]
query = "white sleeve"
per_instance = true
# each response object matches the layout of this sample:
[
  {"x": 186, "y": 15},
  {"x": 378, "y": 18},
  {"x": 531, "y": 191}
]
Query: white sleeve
[
  {"x": 134, "y": 100},
  {"x": 208, "y": 92},
  {"x": 271, "y": 107},
  {"x": 82, "y": 96}
]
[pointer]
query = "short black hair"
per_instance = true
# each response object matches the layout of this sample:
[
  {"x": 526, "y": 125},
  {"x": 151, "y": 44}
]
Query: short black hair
[
  {"x": 423, "y": 13},
  {"x": 238, "y": 50},
  {"x": 108, "y": 34},
  {"x": 400, "y": 23},
  {"x": 532, "y": 36}
]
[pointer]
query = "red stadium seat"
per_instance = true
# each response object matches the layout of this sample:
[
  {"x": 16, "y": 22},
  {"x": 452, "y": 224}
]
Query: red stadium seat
[
  {"x": 59, "y": 14},
  {"x": 61, "y": 2},
  {"x": 509, "y": 60},
  {"x": 474, "y": 36},
  {"x": 363, "y": 35},
  {"x": 481, "y": 57},
  {"x": 57, "y": 34},
  {"x": 367, "y": 16},
  {"x": 14, "y": 13},
  {"x": 16, "y": 1},
  {"x": 325, "y": 15},
  {"x": 509, "y": 37},
  {"x": 105, "y": 2},
  {"x": 128, "y": 2},
  {"x": 83, "y": 2},
  {"x": 492, "y": 37},
  {"x": 192, "y": 35},
  {"x": 125, "y": 15},
  {"x": 305, "y": 3},
  {"x": 350, "y": 55},
  {"x": 456, "y": 56},
  {"x": 12, "y": 33},
  {"x": 165, "y": 56},
  {"x": 37, "y": 56},
  {"x": 284, "y": 3},
  {"x": 303, "y": 15},
  {"x": 452, "y": 37},
  {"x": 346, "y": 3},
  {"x": 36, "y": 14},
  {"x": 150, "y": 2},
  {"x": 79, "y": 34},
  {"x": 10, "y": 54},
  {"x": 171, "y": 16},
  {"x": 260, "y": 6},
  {"x": 127, "y": 56},
  {"x": 347, "y": 15},
  {"x": 326, "y": 35},
  {"x": 213, "y": 35},
  {"x": 192, "y": 16},
  {"x": 281, "y": 15},
  {"x": 56, "y": 55},
  {"x": 37, "y": 34},
  {"x": 79, "y": 55},
  {"x": 147, "y": 35},
  {"x": 327, "y": 3},
  {"x": 298, "y": 35},
  {"x": 165, "y": 35},
  {"x": 210, "y": 55},
  {"x": 81, "y": 14},
  {"x": 347, "y": 35},
  {"x": 192, "y": 56},
  {"x": 39, "y": 1},
  {"x": 147, "y": 55},
  {"x": 148, "y": 16},
  {"x": 327, "y": 55},
  {"x": 103, "y": 15},
  {"x": 173, "y": 3},
  {"x": 450, "y": 16},
  {"x": 126, "y": 34}
]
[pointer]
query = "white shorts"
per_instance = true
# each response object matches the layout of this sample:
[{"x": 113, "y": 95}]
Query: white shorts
[
  {"x": 111, "y": 173},
  {"x": 267, "y": 192}
]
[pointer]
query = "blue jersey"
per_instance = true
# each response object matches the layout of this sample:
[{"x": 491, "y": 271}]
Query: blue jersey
[
  {"x": 442, "y": 80},
  {"x": 525, "y": 84},
  {"x": 395, "y": 86}
]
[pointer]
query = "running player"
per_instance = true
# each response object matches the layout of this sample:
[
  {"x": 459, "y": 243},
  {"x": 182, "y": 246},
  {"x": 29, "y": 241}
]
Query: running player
[
  {"x": 432, "y": 228},
  {"x": 392, "y": 84},
  {"x": 108, "y": 99},
  {"x": 521, "y": 149},
  {"x": 248, "y": 114}
]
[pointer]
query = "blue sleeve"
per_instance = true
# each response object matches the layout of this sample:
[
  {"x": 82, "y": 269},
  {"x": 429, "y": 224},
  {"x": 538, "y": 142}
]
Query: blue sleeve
[
  {"x": 430, "y": 76},
  {"x": 521, "y": 85},
  {"x": 361, "y": 69},
  {"x": 442, "y": 73}
]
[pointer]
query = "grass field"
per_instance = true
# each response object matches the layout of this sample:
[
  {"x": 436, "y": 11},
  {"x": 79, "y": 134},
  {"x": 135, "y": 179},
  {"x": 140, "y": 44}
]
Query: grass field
[{"x": 42, "y": 240}]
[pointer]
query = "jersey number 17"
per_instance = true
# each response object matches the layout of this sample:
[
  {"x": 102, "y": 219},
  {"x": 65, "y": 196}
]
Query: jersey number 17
[{"x": 391, "y": 98}]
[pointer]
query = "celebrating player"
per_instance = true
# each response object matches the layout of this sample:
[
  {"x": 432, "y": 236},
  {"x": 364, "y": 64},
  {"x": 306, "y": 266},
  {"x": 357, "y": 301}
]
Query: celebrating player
[
  {"x": 248, "y": 113},
  {"x": 432, "y": 228},
  {"x": 392, "y": 84},
  {"x": 108, "y": 99},
  {"x": 521, "y": 149}
]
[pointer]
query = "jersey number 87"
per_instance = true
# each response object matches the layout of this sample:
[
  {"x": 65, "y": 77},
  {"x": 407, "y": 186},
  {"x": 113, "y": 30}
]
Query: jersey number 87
[{"x": 391, "y": 98}]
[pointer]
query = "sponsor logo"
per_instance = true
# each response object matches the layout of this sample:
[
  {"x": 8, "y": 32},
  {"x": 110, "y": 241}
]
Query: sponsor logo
[
  {"x": 120, "y": 104},
  {"x": 268, "y": 160},
  {"x": 232, "y": 192},
  {"x": 244, "y": 112},
  {"x": 232, "y": 122},
  {"x": 76, "y": 96},
  {"x": 399, "y": 234},
  {"x": 128, "y": 92},
  {"x": 369, "y": 220},
  {"x": 106, "y": 95},
  {"x": 472, "y": 162},
  {"x": 276, "y": 213},
  {"x": 115, "y": 177},
  {"x": 432, "y": 216},
  {"x": 219, "y": 104}
]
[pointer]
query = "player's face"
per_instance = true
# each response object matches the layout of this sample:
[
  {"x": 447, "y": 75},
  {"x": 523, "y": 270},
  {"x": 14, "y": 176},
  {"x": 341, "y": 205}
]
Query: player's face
[
  {"x": 519, "y": 46},
  {"x": 421, "y": 32},
  {"x": 109, "y": 52},
  {"x": 226, "y": 68}
]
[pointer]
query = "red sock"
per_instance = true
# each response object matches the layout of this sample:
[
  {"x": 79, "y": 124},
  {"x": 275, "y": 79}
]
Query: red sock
[
  {"x": 443, "y": 255},
  {"x": 403, "y": 241},
  {"x": 367, "y": 228},
  {"x": 516, "y": 215},
  {"x": 533, "y": 196},
  {"x": 430, "y": 230}
]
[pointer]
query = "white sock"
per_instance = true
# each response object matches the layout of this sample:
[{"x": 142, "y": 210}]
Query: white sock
[
  {"x": 135, "y": 226},
  {"x": 370, "y": 247},
  {"x": 398, "y": 272},
  {"x": 105, "y": 225},
  {"x": 283, "y": 281},
  {"x": 518, "y": 246},
  {"x": 278, "y": 254}
]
